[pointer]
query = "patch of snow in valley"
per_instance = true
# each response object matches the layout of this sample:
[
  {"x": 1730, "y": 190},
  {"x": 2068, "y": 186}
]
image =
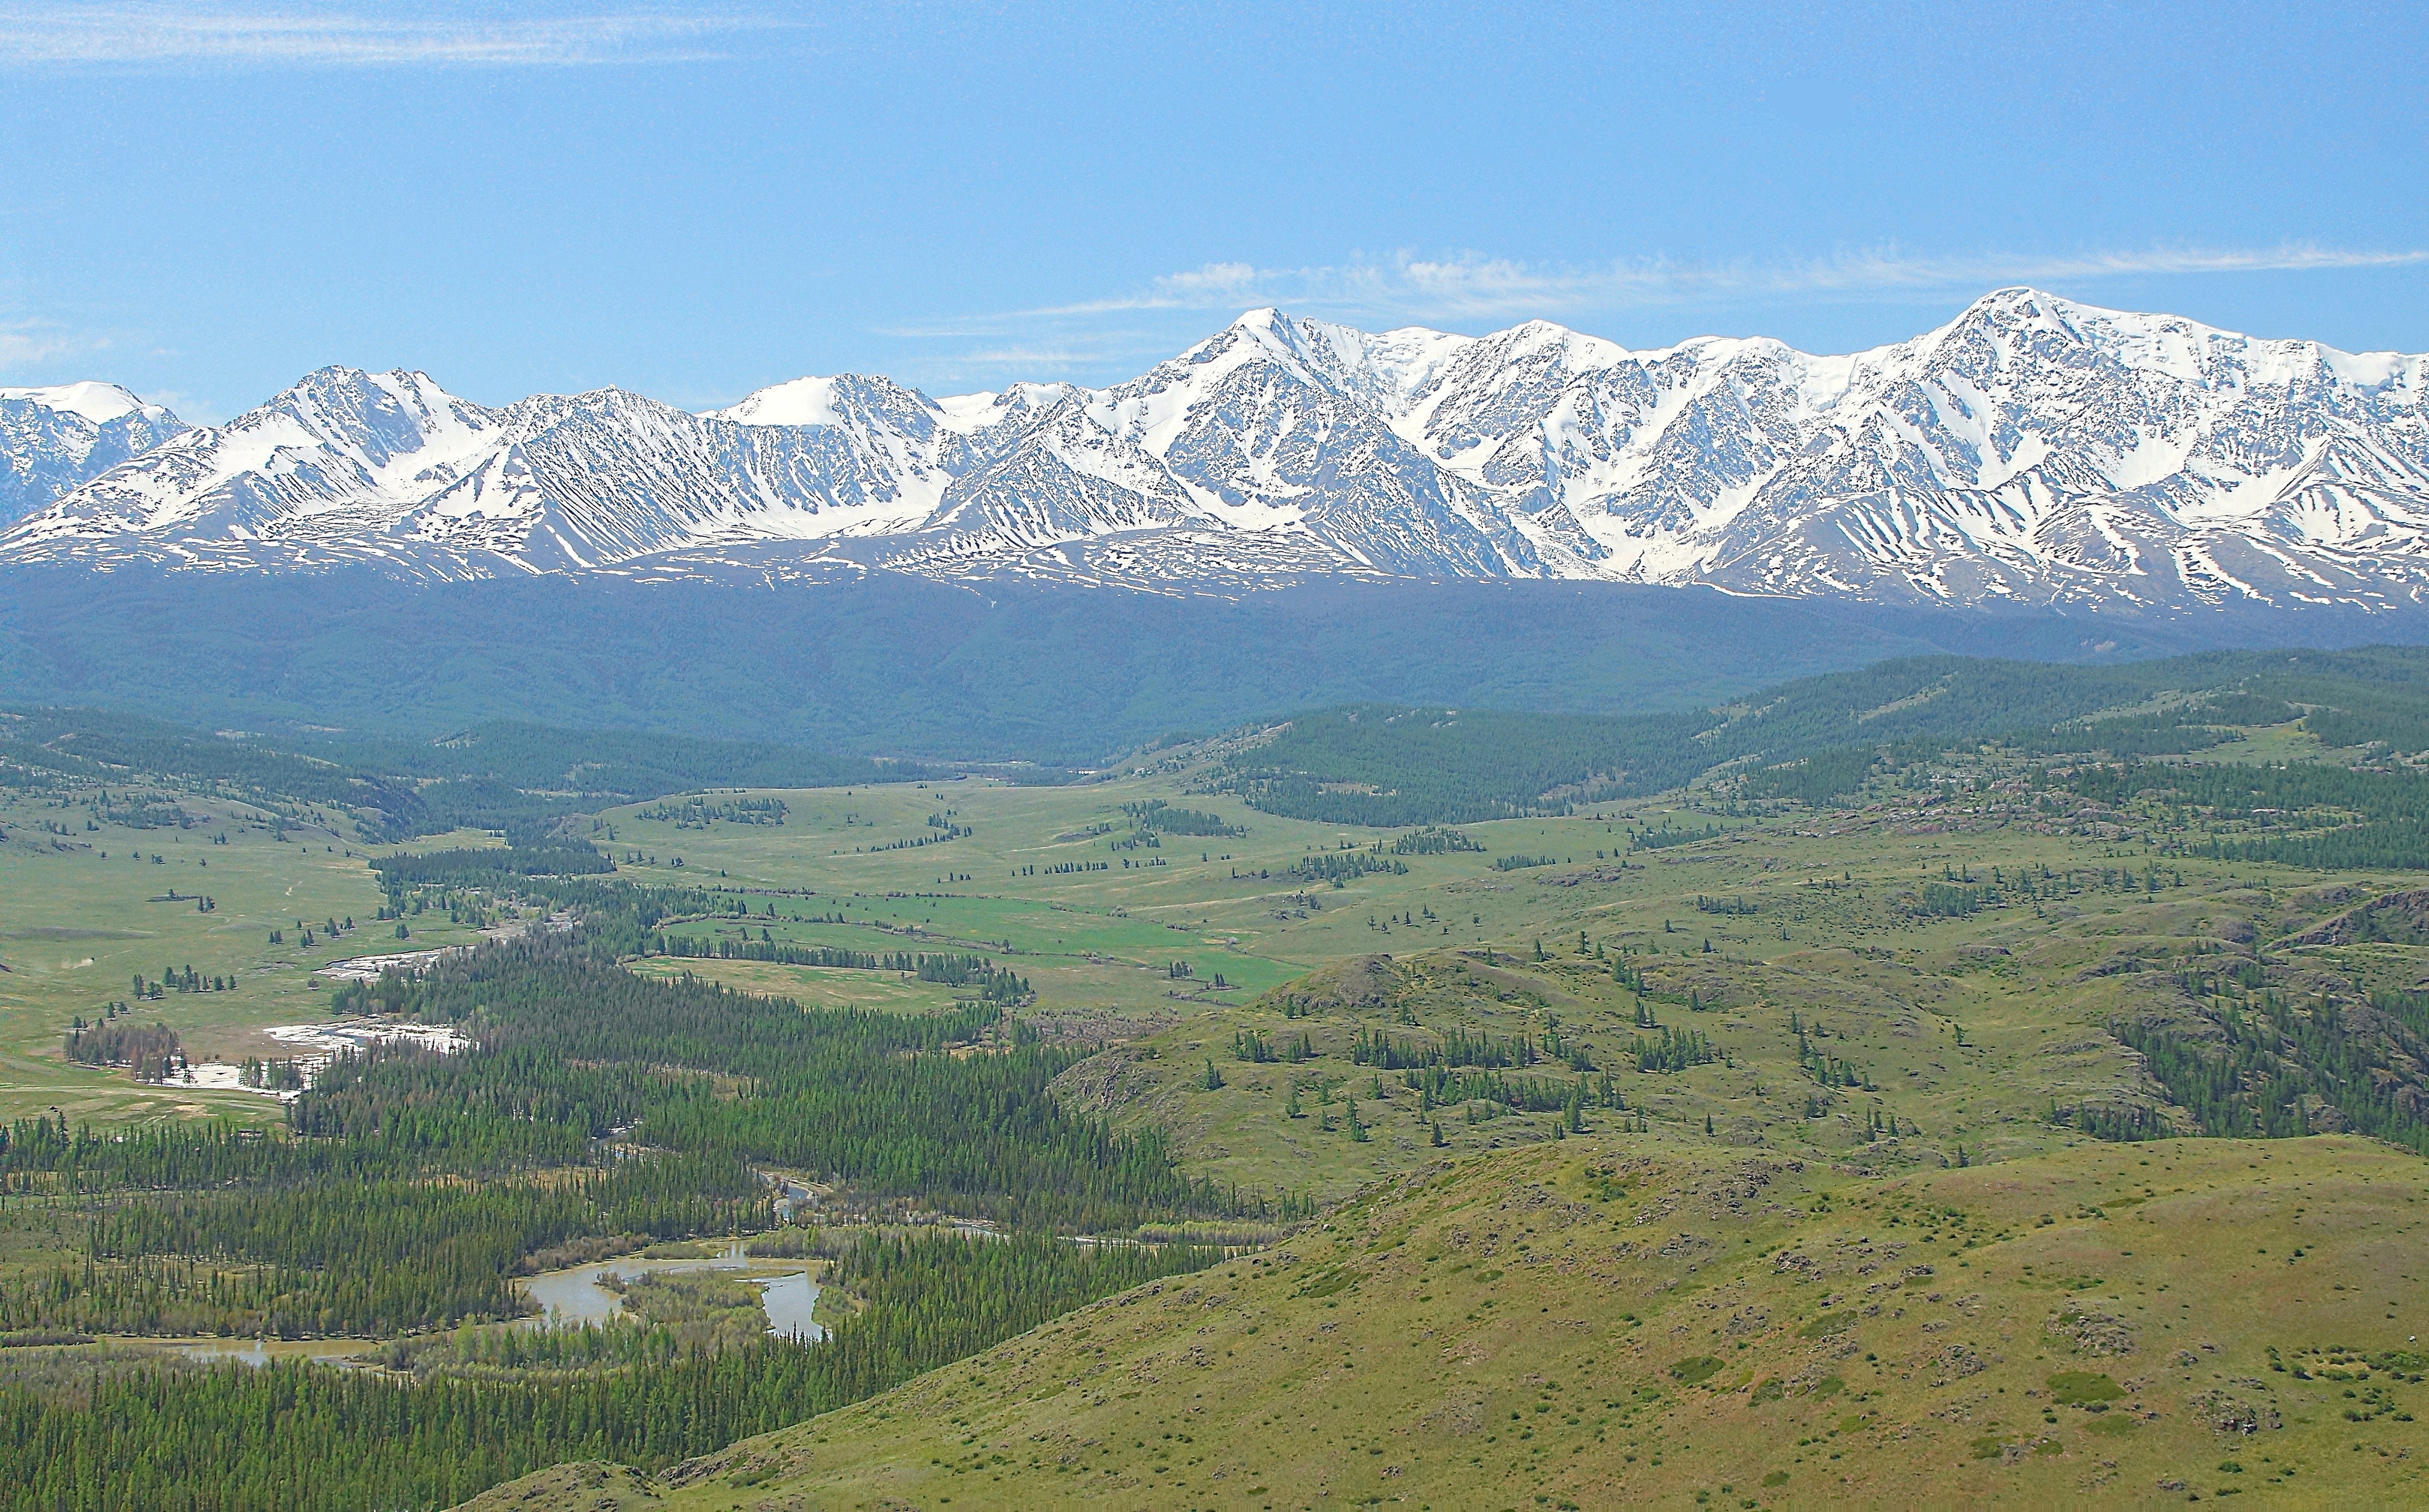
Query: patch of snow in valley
[{"x": 315, "y": 1047}]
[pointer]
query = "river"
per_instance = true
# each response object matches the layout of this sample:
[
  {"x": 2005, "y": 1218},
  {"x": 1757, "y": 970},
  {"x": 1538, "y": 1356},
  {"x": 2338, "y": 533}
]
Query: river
[{"x": 575, "y": 1295}]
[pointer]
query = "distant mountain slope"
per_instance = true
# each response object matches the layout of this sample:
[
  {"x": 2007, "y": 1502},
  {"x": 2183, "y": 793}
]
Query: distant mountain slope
[
  {"x": 2031, "y": 452},
  {"x": 54, "y": 439},
  {"x": 898, "y": 665},
  {"x": 1379, "y": 765},
  {"x": 502, "y": 774}
]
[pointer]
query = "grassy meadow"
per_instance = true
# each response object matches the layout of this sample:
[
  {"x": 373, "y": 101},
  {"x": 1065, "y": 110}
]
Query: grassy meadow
[
  {"x": 1832, "y": 1226},
  {"x": 88, "y": 910}
]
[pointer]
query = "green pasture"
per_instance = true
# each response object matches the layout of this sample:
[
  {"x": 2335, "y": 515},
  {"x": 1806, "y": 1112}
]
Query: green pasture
[{"x": 81, "y": 916}]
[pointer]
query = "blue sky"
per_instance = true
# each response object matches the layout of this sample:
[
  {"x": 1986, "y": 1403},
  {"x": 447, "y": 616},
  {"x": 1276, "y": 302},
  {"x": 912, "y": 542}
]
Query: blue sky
[{"x": 205, "y": 202}]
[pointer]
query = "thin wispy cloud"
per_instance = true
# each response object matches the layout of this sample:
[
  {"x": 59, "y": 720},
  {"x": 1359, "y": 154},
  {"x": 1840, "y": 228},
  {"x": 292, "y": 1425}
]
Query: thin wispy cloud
[
  {"x": 1475, "y": 285},
  {"x": 56, "y": 35},
  {"x": 1054, "y": 357},
  {"x": 32, "y": 344},
  {"x": 1088, "y": 336},
  {"x": 1066, "y": 338}
]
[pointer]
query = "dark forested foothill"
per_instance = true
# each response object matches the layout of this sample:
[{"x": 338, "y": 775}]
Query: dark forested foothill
[
  {"x": 1815, "y": 740},
  {"x": 499, "y": 776}
]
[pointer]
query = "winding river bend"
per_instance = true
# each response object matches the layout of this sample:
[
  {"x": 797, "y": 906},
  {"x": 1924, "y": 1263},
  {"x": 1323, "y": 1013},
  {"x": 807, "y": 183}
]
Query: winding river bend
[{"x": 575, "y": 1295}]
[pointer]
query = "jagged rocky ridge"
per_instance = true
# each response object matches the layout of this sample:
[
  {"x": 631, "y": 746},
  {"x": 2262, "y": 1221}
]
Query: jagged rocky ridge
[
  {"x": 54, "y": 439},
  {"x": 2031, "y": 452}
]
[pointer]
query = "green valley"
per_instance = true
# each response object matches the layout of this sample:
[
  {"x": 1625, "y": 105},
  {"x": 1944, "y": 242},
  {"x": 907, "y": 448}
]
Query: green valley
[{"x": 1903, "y": 1106}]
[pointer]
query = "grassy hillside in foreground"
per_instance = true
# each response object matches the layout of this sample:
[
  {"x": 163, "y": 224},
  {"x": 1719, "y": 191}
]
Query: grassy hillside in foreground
[{"x": 1575, "y": 1325}]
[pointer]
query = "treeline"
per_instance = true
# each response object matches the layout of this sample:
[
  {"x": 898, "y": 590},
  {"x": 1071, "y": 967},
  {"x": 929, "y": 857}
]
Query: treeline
[
  {"x": 377, "y": 1259},
  {"x": 150, "y": 1051},
  {"x": 112, "y": 748},
  {"x": 1384, "y": 766},
  {"x": 2275, "y": 1054},
  {"x": 391, "y": 1254},
  {"x": 2130, "y": 1124},
  {"x": 1454, "y": 1047},
  {"x": 1441, "y": 1086},
  {"x": 2244, "y": 791},
  {"x": 1155, "y": 814},
  {"x": 529, "y": 856},
  {"x": 883, "y": 1102},
  {"x": 2301, "y": 813},
  {"x": 781, "y": 952},
  {"x": 627, "y": 766},
  {"x": 1345, "y": 866},
  {"x": 392, "y": 1112},
  {"x": 939, "y": 1296},
  {"x": 620, "y": 916},
  {"x": 700, "y": 813},
  {"x": 1673, "y": 1050},
  {"x": 497, "y": 775},
  {"x": 1433, "y": 841},
  {"x": 995, "y": 984},
  {"x": 992, "y": 983},
  {"x": 1665, "y": 835}
]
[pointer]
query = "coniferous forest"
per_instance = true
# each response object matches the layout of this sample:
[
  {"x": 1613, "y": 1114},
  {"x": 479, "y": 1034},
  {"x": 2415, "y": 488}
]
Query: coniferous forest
[
  {"x": 940, "y": 1120},
  {"x": 594, "y": 1111}
]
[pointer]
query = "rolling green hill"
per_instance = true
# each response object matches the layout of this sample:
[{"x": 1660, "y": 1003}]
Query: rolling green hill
[
  {"x": 1380, "y": 765},
  {"x": 2013, "y": 1046},
  {"x": 1590, "y": 1324},
  {"x": 498, "y": 775}
]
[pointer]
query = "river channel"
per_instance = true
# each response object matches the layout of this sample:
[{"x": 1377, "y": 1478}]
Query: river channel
[{"x": 575, "y": 1295}]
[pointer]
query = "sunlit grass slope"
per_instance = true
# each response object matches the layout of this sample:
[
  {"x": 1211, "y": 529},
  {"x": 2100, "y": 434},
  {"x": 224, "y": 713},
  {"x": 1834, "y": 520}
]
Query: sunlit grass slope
[{"x": 1577, "y": 1326}]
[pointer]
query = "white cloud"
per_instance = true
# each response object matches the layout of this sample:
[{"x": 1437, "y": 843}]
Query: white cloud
[
  {"x": 37, "y": 344},
  {"x": 1089, "y": 339},
  {"x": 1024, "y": 356},
  {"x": 155, "y": 34},
  {"x": 21, "y": 346},
  {"x": 1480, "y": 287}
]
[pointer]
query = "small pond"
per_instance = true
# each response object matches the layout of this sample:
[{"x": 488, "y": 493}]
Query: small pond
[
  {"x": 574, "y": 1295},
  {"x": 789, "y": 1300}
]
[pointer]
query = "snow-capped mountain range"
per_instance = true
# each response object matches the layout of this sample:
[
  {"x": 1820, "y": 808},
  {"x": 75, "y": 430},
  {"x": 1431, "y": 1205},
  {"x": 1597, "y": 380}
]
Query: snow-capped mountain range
[
  {"x": 2031, "y": 452},
  {"x": 53, "y": 439}
]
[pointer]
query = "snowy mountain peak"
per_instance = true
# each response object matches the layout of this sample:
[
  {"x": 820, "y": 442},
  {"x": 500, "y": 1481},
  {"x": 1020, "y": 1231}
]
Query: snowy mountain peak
[
  {"x": 56, "y": 439},
  {"x": 99, "y": 403},
  {"x": 2032, "y": 450},
  {"x": 838, "y": 401}
]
